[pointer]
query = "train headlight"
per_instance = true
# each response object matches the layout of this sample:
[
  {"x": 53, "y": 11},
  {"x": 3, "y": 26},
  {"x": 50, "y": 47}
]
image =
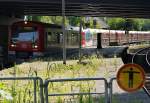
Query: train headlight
[
  {"x": 13, "y": 45},
  {"x": 25, "y": 22},
  {"x": 35, "y": 46}
]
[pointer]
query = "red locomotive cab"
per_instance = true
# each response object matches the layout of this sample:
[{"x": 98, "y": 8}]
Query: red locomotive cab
[{"x": 25, "y": 38}]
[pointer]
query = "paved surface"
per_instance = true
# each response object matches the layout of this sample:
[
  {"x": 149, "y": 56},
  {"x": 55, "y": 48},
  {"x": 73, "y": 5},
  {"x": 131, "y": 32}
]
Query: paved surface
[{"x": 119, "y": 96}]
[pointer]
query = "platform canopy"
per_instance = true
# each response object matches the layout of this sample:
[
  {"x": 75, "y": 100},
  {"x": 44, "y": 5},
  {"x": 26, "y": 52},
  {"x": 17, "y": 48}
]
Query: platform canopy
[{"x": 108, "y": 8}]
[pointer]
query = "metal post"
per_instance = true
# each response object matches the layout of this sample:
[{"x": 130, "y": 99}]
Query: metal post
[
  {"x": 80, "y": 40},
  {"x": 106, "y": 92},
  {"x": 41, "y": 89},
  {"x": 63, "y": 29},
  {"x": 110, "y": 89},
  {"x": 110, "y": 92},
  {"x": 46, "y": 92},
  {"x": 35, "y": 101}
]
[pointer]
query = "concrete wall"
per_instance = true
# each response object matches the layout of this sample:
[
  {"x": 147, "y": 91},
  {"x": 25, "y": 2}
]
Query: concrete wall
[{"x": 5, "y": 22}]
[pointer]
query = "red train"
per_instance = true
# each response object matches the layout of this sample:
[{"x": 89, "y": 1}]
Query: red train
[{"x": 35, "y": 38}]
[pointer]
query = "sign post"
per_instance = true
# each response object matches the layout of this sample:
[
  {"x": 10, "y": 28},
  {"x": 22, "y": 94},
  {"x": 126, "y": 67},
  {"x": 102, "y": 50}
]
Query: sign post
[{"x": 131, "y": 77}]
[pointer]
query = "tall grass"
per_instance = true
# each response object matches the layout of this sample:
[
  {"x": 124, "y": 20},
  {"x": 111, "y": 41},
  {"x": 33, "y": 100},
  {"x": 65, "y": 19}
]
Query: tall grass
[{"x": 22, "y": 91}]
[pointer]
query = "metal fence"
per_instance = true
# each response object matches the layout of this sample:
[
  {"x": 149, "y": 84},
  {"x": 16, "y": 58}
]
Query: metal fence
[
  {"x": 35, "y": 79},
  {"x": 110, "y": 90},
  {"x": 145, "y": 89},
  {"x": 74, "y": 79},
  {"x": 108, "y": 86}
]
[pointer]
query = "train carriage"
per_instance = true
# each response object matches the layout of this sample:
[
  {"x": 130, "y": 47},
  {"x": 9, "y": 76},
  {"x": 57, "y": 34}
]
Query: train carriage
[{"x": 35, "y": 38}]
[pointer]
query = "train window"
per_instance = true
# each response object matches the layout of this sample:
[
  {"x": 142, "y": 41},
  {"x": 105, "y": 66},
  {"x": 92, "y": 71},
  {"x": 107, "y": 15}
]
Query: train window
[
  {"x": 25, "y": 34},
  {"x": 52, "y": 38},
  {"x": 49, "y": 33},
  {"x": 72, "y": 38}
]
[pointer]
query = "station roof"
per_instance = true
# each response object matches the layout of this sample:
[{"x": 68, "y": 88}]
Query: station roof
[{"x": 108, "y": 8}]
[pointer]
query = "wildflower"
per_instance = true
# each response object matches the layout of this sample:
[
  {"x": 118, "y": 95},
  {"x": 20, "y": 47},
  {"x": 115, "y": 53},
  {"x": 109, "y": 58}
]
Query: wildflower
[{"x": 6, "y": 95}]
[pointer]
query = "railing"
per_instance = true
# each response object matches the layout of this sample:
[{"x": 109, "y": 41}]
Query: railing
[
  {"x": 74, "y": 79},
  {"x": 108, "y": 91},
  {"x": 34, "y": 81},
  {"x": 145, "y": 89}
]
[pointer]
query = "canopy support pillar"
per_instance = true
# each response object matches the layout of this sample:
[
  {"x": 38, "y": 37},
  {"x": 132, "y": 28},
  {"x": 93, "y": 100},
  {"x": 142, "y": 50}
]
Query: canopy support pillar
[
  {"x": 63, "y": 30},
  {"x": 80, "y": 40}
]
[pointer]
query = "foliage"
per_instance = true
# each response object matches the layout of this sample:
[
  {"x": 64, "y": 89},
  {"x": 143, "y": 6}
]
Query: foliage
[
  {"x": 74, "y": 21},
  {"x": 90, "y": 22},
  {"x": 114, "y": 23},
  {"x": 4, "y": 94},
  {"x": 130, "y": 24},
  {"x": 145, "y": 24},
  {"x": 70, "y": 20},
  {"x": 48, "y": 19}
]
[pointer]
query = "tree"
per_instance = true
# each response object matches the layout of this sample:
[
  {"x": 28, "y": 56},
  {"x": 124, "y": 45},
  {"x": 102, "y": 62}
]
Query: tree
[
  {"x": 74, "y": 21},
  {"x": 48, "y": 19},
  {"x": 129, "y": 24},
  {"x": 116, "y": 23},
  {"x": 145, "y": 25}
]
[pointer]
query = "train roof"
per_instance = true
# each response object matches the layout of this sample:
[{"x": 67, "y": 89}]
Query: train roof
[
  {"x": 123, "y": 31},
  {"x": 38, "y": 23},
  {"x": 140, "y": 32}
]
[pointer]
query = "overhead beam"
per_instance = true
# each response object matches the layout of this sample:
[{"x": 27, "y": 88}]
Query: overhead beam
[{"x": 122, "y": 8}]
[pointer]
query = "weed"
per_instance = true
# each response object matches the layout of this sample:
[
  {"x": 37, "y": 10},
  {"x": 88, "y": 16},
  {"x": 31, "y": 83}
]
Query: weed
[{"x": 50, "y": 70}]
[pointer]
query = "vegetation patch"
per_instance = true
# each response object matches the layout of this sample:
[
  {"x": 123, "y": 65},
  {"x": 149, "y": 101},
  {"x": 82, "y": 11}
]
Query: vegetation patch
[{"x": 22, "y": 91}]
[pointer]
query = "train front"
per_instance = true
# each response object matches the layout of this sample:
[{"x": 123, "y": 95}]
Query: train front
[{"x": 25, "y": 40}]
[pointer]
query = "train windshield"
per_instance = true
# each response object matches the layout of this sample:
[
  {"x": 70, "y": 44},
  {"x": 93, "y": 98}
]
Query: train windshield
[{"x": 25, "y": 34}]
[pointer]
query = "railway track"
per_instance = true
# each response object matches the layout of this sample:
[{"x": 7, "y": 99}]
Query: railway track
[
  {"x": 147, "y": 83},
  {"x": 145, "y": 52},
  {"x": 141, "y": 57}
]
